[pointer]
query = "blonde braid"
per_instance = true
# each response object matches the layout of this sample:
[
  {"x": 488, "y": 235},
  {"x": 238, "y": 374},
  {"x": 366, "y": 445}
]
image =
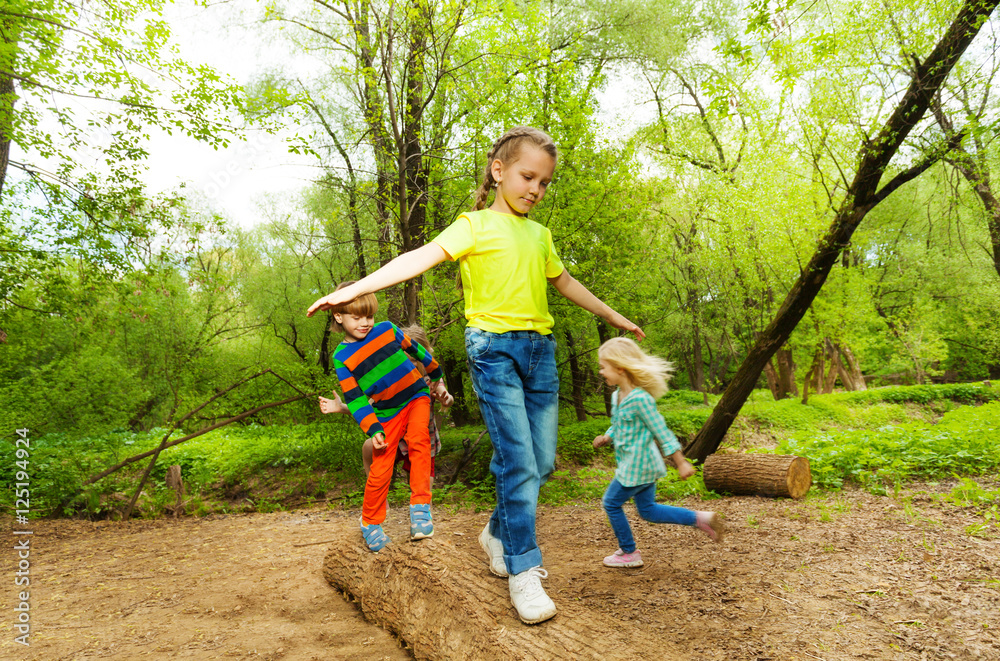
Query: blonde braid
[{"x": 506, "y": 149}]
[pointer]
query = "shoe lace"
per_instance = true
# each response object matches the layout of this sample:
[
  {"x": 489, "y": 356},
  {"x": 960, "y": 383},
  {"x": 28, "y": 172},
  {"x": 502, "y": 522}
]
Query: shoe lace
[{"x": 529, "y": 583}]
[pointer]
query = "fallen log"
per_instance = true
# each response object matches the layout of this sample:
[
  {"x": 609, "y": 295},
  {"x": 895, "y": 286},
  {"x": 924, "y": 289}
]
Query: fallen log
[
  {"x": 775, "y": 475},
  {"x": 445, "y": 604}
]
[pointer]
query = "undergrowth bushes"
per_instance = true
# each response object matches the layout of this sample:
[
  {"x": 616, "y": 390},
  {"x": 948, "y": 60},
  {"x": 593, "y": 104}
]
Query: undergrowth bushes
[
  {"x": 875, "y": 438},
  {"x": 967, "y": 393},
  {"x": 966, "y": 441},
  {"x": 60, "y": 464}
]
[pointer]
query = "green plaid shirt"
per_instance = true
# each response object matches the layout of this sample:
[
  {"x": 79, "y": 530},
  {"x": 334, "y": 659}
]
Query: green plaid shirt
[{"x": 635, "y": 421}]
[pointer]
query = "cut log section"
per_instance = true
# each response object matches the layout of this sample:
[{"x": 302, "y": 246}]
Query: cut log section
[
  {"x": 445, "y": 604},
  {"x": 775, "y": 475}
]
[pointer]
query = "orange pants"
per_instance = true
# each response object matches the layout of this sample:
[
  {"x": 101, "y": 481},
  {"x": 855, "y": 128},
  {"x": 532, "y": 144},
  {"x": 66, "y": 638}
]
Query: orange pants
[{"x": 410, "y": 424}]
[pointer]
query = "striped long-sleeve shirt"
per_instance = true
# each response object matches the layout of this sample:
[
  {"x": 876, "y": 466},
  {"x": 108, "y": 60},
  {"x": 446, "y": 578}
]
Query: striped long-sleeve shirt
[
  {"x": 635, "y": 423},
  {"x": 377, "y": 369}
]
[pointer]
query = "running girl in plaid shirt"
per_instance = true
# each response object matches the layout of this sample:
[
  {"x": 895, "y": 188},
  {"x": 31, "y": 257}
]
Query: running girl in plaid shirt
[{"x": 636, "y": 429}]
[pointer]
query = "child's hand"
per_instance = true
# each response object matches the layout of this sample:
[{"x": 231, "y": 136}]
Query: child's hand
[
  {"x": 446, "y": 400},
  {"x": 619, "y": 321},
  {"x": 601, "y": 441},
  {"x": 684, "y": 468},
  {"x": 440, "y": 392},
  {"x": 338, "y": 297},
  {"x": 378, "y": 441},
  {"x": 332, "y": 405}
]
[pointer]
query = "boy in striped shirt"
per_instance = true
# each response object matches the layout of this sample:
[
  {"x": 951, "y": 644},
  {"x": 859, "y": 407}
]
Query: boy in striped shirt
[{"x": 389, "y": 399}]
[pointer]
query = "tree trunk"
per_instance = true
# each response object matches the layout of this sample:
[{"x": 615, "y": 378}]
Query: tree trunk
[
  {"x": 975, "y": 169},
  {"x": 778, "y": 476},
  {"x": 862, "y": 196},
  {"x": 369, "y": 75},
  {"x": 832, "y": 355},
  {"x": 413, "y": 174},
  {"x": 697, "y": 373},
  {"x": 176, "y": 484},
  {"x": 814, "y": 377},
  {"x": 324, "y": 346},
  {"x": 604, "y": 335},
  {"x": 444, "y": 604},
  {"x": 454, "y": 371},
  {"x": 7, "y": 97},
  {"x": 821, "y": 369},
  {"x": 852, "y": 370},
  {"x": 786, "y": 373},
  {"x": 772, "y": 380},
  {"x": 577, "y": 377}
]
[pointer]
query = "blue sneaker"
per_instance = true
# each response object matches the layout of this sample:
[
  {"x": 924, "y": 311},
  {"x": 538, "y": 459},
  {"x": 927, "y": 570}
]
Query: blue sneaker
[
  {"x": 375, "y": 537},
  {"x": 421, "y": 525}
]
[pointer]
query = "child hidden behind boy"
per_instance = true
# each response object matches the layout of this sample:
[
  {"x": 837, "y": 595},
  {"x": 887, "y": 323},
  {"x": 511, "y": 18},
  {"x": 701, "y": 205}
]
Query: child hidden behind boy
[
  {"x": 636, "y": 427},
  {"x": 389, "y": 399}
]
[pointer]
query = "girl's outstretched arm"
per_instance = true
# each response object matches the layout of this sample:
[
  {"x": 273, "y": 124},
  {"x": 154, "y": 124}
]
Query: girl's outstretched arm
[
  {"x": 571, "y": 288},
  {"x": 406, "y": 266}
]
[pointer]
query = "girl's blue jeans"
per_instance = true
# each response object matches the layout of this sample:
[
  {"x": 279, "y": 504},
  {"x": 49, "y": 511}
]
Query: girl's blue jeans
[
  {"x": 645, "y": 501},
  {"x": 515, "y": 378}
]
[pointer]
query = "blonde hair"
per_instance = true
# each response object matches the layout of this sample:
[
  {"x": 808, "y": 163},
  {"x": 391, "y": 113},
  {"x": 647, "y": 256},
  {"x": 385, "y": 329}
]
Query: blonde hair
[
  {"x": 506, "y": 150},
  {"x": 650, "y": 373},
  {"x": 365, "y": 305},
  {"x": 418, "y": 335}
]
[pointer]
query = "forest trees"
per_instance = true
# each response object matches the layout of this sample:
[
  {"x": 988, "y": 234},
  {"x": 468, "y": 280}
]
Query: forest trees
[
  {"x": 390, "y": 72},
  {"x": 81, "y": 85},
  {"x": 705, "y": 149},
  {"x": 862, "y": 195}
]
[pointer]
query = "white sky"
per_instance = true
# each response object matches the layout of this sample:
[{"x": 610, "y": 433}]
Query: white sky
[{"x": 232, "y": 180}]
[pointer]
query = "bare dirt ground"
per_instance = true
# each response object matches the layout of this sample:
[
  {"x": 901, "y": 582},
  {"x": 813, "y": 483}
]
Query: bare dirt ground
[{"x": 845, "y": 576}]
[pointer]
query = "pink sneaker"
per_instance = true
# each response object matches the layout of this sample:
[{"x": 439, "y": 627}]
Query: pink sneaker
[{"x": 621, "y": 559}]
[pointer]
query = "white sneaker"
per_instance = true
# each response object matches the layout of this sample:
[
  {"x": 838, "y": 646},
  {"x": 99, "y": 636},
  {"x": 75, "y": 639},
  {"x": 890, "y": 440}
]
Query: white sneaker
[
  {"x": 528, "y": 596},
  {"x": 494, "y": 551}
]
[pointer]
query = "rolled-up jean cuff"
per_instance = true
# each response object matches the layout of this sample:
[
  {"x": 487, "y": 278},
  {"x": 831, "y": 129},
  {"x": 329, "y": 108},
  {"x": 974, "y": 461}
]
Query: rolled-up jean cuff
[{"x": 520, "y": 563}]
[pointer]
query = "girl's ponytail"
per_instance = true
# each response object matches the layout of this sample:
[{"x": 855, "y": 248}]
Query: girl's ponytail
[
  {"x": 484, "y": 189},
  {"x": 506, "y": 149}
]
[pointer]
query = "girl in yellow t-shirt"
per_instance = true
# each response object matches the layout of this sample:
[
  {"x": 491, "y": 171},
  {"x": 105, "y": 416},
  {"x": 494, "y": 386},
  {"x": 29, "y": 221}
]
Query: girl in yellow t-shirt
[{"x": 505, "y": 262}]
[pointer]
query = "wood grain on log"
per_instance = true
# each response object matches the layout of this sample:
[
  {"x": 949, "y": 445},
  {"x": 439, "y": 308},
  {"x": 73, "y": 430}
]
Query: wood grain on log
[
  {"x": 445, "y": 604},
  {"x": 773, "y": 475}
]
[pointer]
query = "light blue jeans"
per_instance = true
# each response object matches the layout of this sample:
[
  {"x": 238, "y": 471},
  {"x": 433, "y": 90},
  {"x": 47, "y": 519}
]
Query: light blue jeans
[
  {"x": 645, "y": 501},
  {"x": 517, "y": 384}
]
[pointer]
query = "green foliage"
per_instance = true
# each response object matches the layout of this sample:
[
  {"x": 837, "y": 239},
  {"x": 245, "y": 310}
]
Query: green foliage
[
  {"x": 76, "y": 188},
  {"x": 576, "y": 440},
  {"x": 585, "y": 484},
  {"x": 791, "y": 414},
  {"x": 673, "y": 488},
  {"x": 678, "y": 398},
  {"x": 967, "y": 393},
  {"x": 227, "y": 458},
  {"x": 966, "y": 442},
  {"x": 686, "y": 423},
  {"x": 236, "y": 453},
  {"x": 968, "y": 493}
]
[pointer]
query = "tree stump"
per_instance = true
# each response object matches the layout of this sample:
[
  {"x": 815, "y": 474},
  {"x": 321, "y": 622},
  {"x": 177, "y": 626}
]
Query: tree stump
[
  {"x": 783, "y": 476},
  {"x": 176, "y": 484},
  {"x": 445, "y": 604}
]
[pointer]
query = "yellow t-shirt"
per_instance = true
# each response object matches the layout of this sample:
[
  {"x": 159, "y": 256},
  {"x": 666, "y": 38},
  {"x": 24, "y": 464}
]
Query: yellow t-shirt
[{"x": 504, "y": 261}]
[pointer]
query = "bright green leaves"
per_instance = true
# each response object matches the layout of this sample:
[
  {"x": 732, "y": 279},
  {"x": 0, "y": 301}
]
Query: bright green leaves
[{"x": 92, "y": 81}]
